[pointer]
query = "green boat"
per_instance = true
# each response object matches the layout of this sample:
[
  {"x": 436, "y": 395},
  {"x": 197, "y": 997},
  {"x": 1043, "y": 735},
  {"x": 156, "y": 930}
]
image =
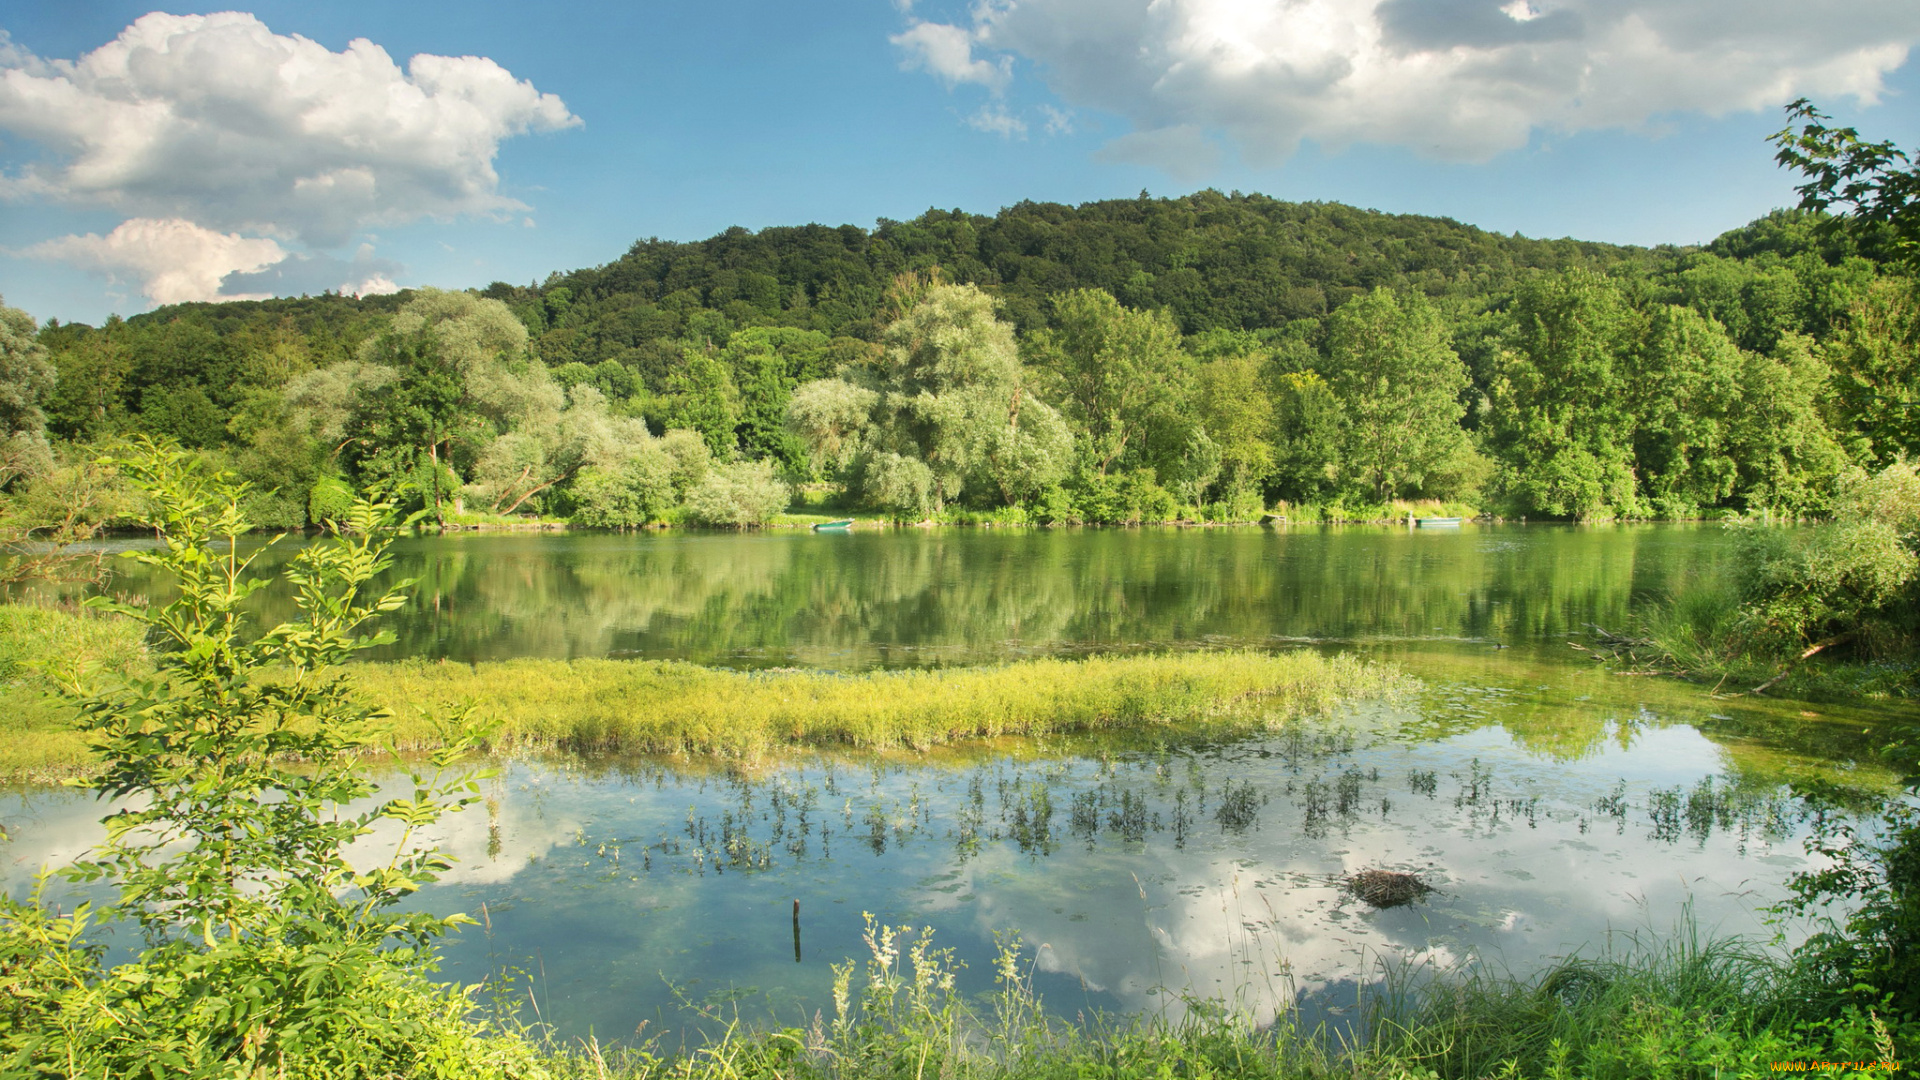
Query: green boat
[
  {"x": 834, "y": 526},
  {"x": 1439, "y": 523}
]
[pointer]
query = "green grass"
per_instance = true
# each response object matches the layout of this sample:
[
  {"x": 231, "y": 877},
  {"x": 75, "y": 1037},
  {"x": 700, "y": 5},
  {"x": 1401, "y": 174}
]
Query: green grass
[
  {"x": 668, "y": 707},
  {"x": 1698, "y": 634},
  {"x": 37, "y": 740}
]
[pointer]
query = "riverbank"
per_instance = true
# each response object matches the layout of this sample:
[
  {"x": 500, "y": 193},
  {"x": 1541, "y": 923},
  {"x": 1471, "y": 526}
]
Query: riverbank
[
  {"x": 652, "y": 706},
  {"x": 1678, "y": 1007}
]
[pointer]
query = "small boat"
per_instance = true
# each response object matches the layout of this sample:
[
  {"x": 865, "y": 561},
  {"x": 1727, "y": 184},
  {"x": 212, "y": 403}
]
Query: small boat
[
  {"x": 1439, "y": 523},
  {"x": 834, "y": 526}
]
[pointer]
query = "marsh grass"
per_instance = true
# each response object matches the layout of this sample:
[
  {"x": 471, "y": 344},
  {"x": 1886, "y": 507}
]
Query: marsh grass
[
  {"x": 671, "y": 707},
  {"x": 643, "y": 706},
  {"x": 37, "y": 641},
  {"x": 1702, "y": 631},
  {"x": 34, "y": 636},
  {"x": 1673, "y": 1005}
]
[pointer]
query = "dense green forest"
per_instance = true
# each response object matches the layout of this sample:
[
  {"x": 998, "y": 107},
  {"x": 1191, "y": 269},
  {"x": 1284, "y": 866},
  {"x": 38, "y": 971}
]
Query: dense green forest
[{"x": 1209, "y": 357}]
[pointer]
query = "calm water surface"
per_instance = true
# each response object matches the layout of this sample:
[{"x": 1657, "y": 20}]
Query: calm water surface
[{"x": 1554, "y": 805}]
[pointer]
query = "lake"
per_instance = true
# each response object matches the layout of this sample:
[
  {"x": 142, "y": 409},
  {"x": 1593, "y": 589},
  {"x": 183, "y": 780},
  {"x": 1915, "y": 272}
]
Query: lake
[{"x": 1556, "y": 807}]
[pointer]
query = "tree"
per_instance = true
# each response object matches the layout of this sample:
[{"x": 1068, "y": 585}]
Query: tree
[
  {"x": 457, "y": 376},
  {"x": 1118, "y": 371},
  {"x": 1876, "y": 368},
  {"x": 1683, "y": 396},
  {"x": 1875, "y": 184},
  {"x": 1778, "y": 436},
  {"x": 89, "y": 398},
  {"x": 829, "y": 416},
  {"x": 740, "y": 494},
  {"x": 26, "y": 377},
  {"x": 1307, "y": 436},
  {"x": 1238, "y": 415},
  {"x": 949, "y": 411},
  {"x": 406, "y": 424},
  {"x": 1393, "y": 371},
  {"x": 484, "y": 347},
  {"x": 702, "y": 398},
  {"x": 1560, "y": 398},
  {"x": 235, "y": 762}
]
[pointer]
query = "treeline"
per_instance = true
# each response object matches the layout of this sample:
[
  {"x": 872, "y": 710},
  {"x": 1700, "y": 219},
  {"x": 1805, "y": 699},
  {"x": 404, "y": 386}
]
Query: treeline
[{"x": 1147, "y": 359}]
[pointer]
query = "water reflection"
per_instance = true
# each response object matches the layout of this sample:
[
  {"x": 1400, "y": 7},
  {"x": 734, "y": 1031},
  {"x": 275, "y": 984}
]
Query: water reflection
[
  {"x": 1549, "y": 801},
  {"x": 1135, "y": 872},
  {"x": 919, "y": 597},
  {"x": 1137, "y": 876}
]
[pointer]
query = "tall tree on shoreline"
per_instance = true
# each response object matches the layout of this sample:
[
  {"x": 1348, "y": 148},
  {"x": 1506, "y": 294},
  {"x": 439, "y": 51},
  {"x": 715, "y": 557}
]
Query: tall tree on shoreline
[
  {"x": 1117, "y": 371},
  {"x": 1391, "y": 365}
]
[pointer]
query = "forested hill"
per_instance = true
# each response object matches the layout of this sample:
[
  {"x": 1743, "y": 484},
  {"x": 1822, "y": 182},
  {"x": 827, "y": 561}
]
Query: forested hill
[
  {"x": 1234, "y": 262},
  {"x": 1232, "y": 310},
  {"x": 1215, "y": 261}
]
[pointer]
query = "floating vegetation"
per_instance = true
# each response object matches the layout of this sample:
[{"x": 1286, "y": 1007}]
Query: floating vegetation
[
  {"x": 1476, "y": 785},
  {"x": 1315, "y": 802},
  {"x": 1346, "y": 794},
  {"x": 1032, "y": 824},
  {"x": 1387, "y": 888},
  {"x": 1239, "y": 807},
  {"x": 741, "y": 821}
]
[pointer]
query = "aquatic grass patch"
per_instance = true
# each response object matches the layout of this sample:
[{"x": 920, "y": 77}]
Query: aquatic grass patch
[
  {"x": 672, "y": 707},
  {"x": 34, "y": 636},
  {"x": 38, "y": 741}
]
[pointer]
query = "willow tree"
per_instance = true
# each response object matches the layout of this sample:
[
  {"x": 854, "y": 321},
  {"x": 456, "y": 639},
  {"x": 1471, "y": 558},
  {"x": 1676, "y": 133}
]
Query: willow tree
[
  {"x": 949, "y": 411},
  {"x": 426, "y": 399},
  {"x": 26, "y": 376}
]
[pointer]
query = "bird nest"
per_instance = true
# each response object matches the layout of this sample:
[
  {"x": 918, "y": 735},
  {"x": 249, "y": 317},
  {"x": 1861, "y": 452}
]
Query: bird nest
[{"x": 1387, "y": 888}]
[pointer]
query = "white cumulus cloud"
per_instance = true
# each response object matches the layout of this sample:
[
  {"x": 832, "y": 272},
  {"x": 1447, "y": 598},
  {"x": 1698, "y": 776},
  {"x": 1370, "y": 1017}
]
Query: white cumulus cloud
[
  {"x": 1451, "y": 79},
  {"x": 947, "y": 52},
  {"x": 214, "y": 123},
  {"x": 175, "y": 261}
]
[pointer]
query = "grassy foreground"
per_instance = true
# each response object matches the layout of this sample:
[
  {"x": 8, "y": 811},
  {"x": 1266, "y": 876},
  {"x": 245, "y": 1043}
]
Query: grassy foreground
[
  {"x": 652, "y": 706},
  {"x": 1682, "y": 1008}
]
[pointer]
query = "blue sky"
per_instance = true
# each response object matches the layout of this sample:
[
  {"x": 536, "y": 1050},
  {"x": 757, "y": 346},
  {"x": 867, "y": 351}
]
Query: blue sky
[{"x": 222, "y": 157}]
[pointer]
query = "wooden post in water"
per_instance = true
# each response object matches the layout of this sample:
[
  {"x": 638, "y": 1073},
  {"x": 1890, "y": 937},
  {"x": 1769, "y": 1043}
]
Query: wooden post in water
[{"x": 796, "y": 929}]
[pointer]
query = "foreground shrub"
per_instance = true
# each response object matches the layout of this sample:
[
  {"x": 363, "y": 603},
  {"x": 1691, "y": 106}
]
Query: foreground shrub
[{"x": 233, "y": 760}]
